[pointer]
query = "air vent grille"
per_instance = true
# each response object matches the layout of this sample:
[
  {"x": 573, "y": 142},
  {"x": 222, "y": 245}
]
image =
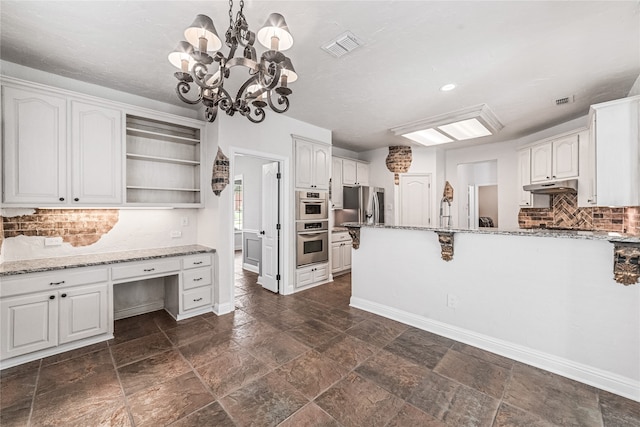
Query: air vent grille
[
  {"x": 565, "y": 100},
  {"x": 343, "y": 44}
]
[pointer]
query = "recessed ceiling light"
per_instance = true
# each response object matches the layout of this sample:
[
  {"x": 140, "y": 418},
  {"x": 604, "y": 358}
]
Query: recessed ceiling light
[
  {"x": 428, "y": 137},
  {"x": 448, "y": 87}
]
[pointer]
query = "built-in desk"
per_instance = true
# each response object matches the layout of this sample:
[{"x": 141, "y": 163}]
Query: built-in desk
[{"x": 53, "y": 305}]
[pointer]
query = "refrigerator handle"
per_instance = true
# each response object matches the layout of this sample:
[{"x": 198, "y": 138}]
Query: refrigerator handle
[{"x": 376, "y": 208}]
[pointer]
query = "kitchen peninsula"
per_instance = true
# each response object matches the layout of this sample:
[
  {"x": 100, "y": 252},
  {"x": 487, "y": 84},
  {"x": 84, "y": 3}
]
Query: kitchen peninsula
[{"x": 543, "y": 297}]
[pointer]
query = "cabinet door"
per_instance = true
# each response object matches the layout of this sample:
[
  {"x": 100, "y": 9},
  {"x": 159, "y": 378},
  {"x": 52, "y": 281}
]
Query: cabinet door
[
  {"x": 362, "y": 173},
  {"x": 321, "y": 272},
  {"x": 346, "y": 255},
  {"x": 304, "y": 277},
  {"x": 336, "y": 257},
  {"x": 35, "y": 144},
  {"x": 336, "y": 183},
  {"x": 565, "y": 157},
  {"x": 96, "y": 153},
  {"x": 321, "y": 166},
  {"x": 83, "y": 312},
  {"x": 524, "y": 177},
  {"x": 541, "y": 163},
  {"x": 349, "y": 172},
  {"x": 304, "y": 156},
  {"x": 28, "y": 323}
]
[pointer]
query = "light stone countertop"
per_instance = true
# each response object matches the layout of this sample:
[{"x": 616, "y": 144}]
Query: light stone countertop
[
  {"x": 60, "y": 263},
  {"x": 534, "y": 232}
]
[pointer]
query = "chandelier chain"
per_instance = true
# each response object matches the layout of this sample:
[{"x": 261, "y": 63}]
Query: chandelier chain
[{"x": 230, "y": 13}]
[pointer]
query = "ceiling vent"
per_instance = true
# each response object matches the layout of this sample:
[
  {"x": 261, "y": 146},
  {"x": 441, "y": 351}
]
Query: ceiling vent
[
  {"x": 565, "y": 100},
  {"x": 343, "y": 44}
]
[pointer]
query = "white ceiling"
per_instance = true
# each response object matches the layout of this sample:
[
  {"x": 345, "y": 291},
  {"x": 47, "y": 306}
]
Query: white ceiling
[{"x": 517, "y": 56}]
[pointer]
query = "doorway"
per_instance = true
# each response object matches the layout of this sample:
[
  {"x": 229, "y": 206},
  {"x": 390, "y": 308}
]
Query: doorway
[
  {"x": 479, "y": 206},
  {"x": 257, "y": 207},
  {"x": 415, "y": 199}
]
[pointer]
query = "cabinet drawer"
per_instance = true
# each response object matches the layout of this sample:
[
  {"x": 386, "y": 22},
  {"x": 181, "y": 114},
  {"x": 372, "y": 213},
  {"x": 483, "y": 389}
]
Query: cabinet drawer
[
  {"x": 145, "y": 269},
  {"x": 195, "y": 298},
  {"x": 341, "y": 237},
  {"x": 35, "y": 282},
  {"x": 196, "y": 278},
  {"x": 196, "y": 261}
]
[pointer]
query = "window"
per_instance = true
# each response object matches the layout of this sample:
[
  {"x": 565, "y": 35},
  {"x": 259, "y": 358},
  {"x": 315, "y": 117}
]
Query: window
[{"x": 237, "y": 202}]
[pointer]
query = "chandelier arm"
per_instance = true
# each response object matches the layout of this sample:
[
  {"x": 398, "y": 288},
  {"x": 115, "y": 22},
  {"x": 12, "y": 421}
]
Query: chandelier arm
[
  {"x": 281, "y": 100},
  {"x": 210, "y": 113},
  {"x": 184, "y": 87},
  {"x": 274, "y": 81},
  {"x": 258, "y": 112},
  {"x": 246, "y": 84}
]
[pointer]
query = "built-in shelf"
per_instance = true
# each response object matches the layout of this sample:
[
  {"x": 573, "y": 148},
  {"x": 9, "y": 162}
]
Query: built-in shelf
[{"x": 163, "y": 163}]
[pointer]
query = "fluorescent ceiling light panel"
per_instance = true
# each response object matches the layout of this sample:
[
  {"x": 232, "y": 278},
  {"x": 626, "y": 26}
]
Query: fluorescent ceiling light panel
[
  {"x": 465, "y": 129},
  {"x": 428, "y": 137}
]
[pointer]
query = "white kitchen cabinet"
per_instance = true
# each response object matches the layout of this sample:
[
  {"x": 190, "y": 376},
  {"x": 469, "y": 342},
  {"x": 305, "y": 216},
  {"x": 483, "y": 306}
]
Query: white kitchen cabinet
[
  {"x": 556, "y": 159},
  {"x": 44, "y": 310},
  {"x": 312, "y": 275},
  {"x": 48, "y": 163},
  {"x": 312, "y": 164},
  {"x": 35, "y": 147},
  {"x": 524, "y": 177},
  {"x": 354, "y": 172},
  {"x": 336, "y": 183},
  {"x": 340, "y": 252},
  {"x": 613, "y": 174}
]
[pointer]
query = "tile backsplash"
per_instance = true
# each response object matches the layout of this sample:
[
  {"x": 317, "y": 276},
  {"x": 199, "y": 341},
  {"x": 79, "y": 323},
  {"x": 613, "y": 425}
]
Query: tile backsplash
[
  {"x": 79, "y": 227},
  {"x": 565, "y": 213}
]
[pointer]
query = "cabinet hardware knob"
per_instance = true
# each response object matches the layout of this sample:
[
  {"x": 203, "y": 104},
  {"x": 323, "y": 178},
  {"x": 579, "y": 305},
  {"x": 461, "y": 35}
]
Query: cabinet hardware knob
[
  {"x": 262, "y": 232},
  {"x": 56, "y": 283},
  {"x": 148, "y": 269},
  {"x": 61, "y": 199},
  {"x": 197, "y": 299},
  {"x": 197, "y": 263},
  {"x": 52, "y": 297},
  {"x": 76, "y": 199},
  {"x": 63, "y": 295},
  {"x": 198, "y": 279}
]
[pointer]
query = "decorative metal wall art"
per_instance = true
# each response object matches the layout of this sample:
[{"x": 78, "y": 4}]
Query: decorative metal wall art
[
  {"x": 354, "y": 232},
  {"x": 446, "y": 244},
  {"x": 626, "y": 263},
  {"x": 220, "y": 175},
  {"x": 398, "y": 161}
]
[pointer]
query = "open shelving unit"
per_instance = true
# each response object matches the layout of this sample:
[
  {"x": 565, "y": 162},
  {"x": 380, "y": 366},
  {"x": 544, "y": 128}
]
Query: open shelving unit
[{"x": 163, "y": 163}]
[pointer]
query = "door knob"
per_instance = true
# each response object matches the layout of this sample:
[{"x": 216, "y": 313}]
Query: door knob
[{"x": 262, "y": 232}]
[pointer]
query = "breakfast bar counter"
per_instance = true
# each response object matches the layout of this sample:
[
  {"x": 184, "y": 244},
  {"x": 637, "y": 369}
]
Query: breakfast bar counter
[{"x": 544, "y": 297}]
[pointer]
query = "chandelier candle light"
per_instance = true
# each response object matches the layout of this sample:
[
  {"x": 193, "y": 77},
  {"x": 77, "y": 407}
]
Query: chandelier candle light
[{"x": 268, "y": 77}]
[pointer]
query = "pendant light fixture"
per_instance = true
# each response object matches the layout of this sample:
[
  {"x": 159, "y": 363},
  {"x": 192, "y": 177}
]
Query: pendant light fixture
[{"x": 204, "y": 69}]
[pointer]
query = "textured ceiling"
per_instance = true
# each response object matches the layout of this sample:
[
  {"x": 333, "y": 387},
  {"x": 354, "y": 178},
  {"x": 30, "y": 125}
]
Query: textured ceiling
[{"x": 517, "y": 57}]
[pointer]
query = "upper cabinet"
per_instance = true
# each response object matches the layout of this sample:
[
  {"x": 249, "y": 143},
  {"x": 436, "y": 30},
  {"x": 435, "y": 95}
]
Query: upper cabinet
[
  {"x": 354, "y": 172},
  {"x": 59, "y": 151},
  {"x": 336, "y": 183},
  {"x": 312, "y": 164},
  {"x": 556, "y": 159},
  {"x": 524, "y": 177},
  {"x": 613, "y": 164}
]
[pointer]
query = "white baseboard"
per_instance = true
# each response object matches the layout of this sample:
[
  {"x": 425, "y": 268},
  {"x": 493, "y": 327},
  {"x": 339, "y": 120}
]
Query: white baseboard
[
  {"x": 251, "y": 268},
  {"x": 590, "y": 375},
  {"x": 221, "y": 309},
  {"x": 139, "y": 309}
]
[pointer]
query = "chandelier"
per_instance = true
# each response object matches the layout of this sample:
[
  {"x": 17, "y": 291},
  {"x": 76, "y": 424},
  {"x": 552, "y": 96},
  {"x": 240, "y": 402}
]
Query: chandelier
[{"x": 204, "y": 69}]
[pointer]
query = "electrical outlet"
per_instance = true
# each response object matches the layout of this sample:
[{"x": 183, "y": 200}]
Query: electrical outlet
[
  {"x": 176, "y": 234},
  {"x": 53, "y": 241},
  {"x": 452, "y": 301},
  {"x": 184, "y": 221}
]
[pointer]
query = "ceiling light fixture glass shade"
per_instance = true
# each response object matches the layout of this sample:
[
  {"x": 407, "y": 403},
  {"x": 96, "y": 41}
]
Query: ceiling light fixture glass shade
[
  {"x": 204, "y": 69},
  {"x": 465, "y": 129}
]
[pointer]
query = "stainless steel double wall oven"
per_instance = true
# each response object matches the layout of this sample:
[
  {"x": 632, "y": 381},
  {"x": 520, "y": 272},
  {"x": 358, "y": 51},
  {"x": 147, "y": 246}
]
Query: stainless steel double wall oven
[{"x": 312, "y": 227}]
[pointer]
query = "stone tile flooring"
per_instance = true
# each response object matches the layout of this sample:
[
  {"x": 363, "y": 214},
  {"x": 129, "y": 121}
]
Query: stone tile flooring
[{"x": 302, "y": 360}]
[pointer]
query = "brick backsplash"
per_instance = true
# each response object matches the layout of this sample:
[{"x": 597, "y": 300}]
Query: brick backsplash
[
  {"x": 79, "y": 227},
  {"x": 565, "y": 213}
]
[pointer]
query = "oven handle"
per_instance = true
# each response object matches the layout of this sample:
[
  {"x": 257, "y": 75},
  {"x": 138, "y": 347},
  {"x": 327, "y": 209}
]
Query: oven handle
[
  {"x": 312, "y": 233},
  {"x": 315, "y": 202}
]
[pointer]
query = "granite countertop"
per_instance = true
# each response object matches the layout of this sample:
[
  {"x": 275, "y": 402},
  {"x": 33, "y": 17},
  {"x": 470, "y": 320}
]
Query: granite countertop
[
  {"x": 536, "y": 232},
  {"x": 60, "y": 263},
  {"x": 339, "y": 229}
]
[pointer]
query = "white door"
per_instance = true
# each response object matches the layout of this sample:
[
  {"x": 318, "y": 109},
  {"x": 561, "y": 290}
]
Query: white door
[
  {"x": 415, "y": 199},
  {"x": 269, "y": 230}
]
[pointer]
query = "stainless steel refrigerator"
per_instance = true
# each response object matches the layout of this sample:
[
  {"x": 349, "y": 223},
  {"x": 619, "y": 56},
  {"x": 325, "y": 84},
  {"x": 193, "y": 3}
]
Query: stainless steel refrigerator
[{"x": 368, "y": 201}]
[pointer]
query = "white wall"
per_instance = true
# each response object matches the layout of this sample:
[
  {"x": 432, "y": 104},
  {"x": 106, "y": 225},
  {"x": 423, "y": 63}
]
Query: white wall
[
  {"x": 549, "y": 302},
  {"x": 271, "y": 138},
  {"x": 251, "y": 170}
]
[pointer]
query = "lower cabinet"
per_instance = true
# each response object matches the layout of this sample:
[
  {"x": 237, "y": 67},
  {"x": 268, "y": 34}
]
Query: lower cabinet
[
  {"x": 59, "y": 315},
  {"x": 340, "y": 253},
  {"x": 312, "y": 274}
]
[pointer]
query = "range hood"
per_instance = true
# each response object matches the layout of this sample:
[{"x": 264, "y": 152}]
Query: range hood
[{"x": 567, "y": 186}]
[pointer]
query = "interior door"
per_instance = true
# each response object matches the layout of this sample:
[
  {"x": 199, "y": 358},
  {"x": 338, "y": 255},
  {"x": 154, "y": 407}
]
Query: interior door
[
  {"x": 415, "y": 199},
  {"x": 269, "y": 232}
]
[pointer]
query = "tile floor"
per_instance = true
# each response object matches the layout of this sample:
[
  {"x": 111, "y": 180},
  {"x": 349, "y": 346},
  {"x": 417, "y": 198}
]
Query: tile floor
[{"x": 302, "y": 360}]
